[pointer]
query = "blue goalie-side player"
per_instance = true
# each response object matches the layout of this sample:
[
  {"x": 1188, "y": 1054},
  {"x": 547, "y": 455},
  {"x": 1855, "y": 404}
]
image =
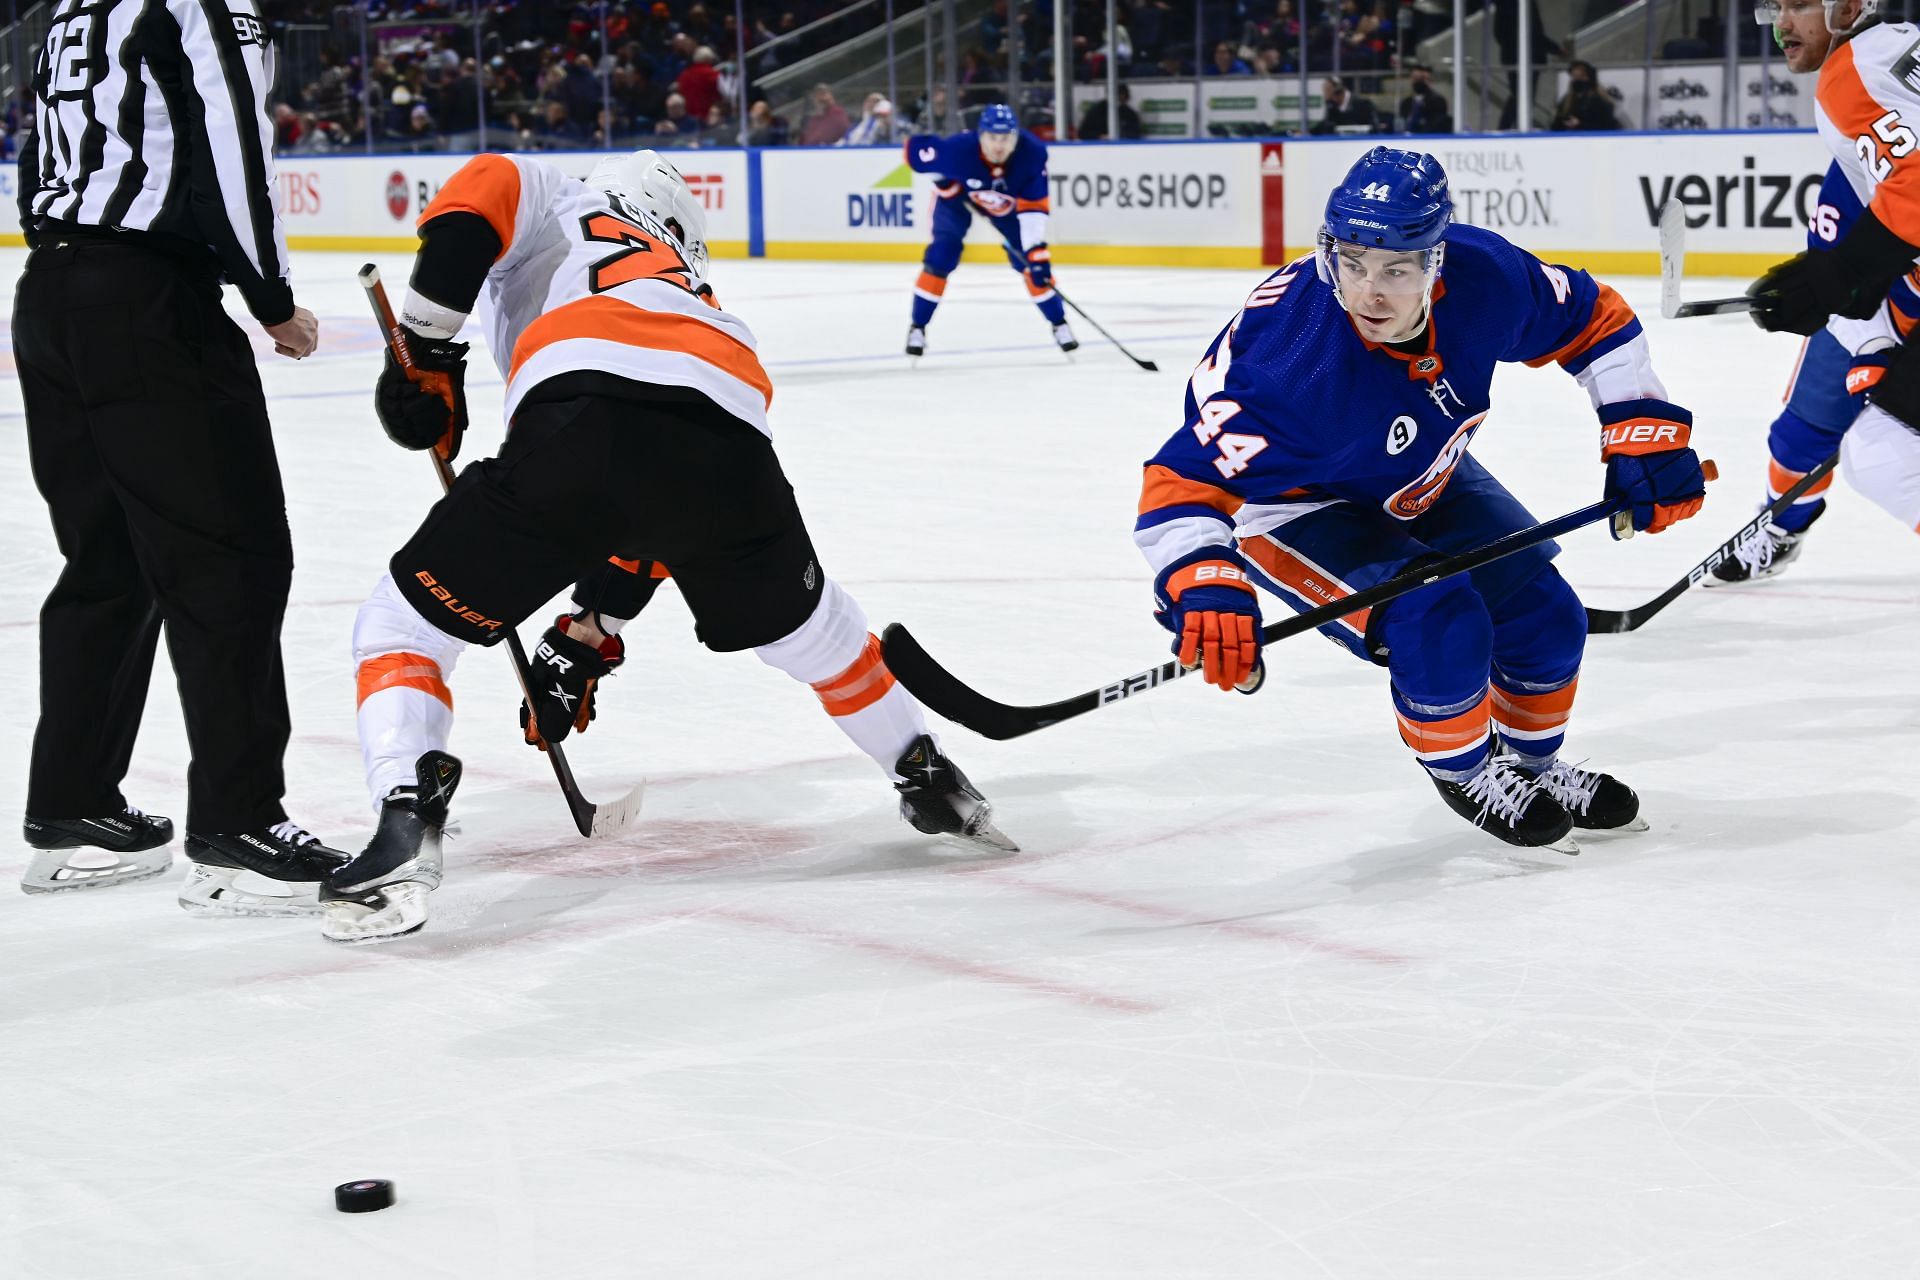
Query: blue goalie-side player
[
  {"x": 1000, "y": 172},
  {"x": 1325, "y": 449}
]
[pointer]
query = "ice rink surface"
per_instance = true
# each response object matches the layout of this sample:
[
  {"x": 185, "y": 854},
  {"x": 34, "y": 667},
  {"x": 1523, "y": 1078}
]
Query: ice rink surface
[{"x": 1250, "y": 1002}]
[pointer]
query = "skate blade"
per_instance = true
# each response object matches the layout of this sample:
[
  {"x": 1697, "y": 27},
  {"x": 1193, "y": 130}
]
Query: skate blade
[
  {"x": 215, "y": 892},
  {"x": 983, "y": 832},
  {"x": 395, "y": 911},
  {"x": 58, "y": 870},
  {"x": 1633, "y": 828}
]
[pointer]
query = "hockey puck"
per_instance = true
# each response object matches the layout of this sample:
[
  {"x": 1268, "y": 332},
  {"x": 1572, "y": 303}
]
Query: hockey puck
[{"x": 364, "y": 1196}]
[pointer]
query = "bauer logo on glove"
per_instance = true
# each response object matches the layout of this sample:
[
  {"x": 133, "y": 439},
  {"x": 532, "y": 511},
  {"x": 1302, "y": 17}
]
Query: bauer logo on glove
[{"x": 562, "y": 674}]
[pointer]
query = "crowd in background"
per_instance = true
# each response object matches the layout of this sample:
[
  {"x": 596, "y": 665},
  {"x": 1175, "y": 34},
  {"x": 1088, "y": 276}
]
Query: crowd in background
[{"x": 417, "y": 75}]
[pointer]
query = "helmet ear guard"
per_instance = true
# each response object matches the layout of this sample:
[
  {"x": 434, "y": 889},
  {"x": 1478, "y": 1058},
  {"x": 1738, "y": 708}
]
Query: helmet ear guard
[{"x": 647, "y": 181}]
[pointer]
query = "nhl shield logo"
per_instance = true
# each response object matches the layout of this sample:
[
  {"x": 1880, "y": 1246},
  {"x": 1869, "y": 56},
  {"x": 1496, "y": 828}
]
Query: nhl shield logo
[{"x": 1426, "y": 366}]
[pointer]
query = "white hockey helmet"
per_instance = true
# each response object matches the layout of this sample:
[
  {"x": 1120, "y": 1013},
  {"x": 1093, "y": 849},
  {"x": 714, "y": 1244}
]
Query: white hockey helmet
[
  {"x": 646, "y": 181},
  {"x": 1767, "y": 14}
]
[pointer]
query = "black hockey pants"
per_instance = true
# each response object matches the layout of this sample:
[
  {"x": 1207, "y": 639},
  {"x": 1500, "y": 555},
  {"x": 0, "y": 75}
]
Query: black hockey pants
[{"x": 148, "y": 434}]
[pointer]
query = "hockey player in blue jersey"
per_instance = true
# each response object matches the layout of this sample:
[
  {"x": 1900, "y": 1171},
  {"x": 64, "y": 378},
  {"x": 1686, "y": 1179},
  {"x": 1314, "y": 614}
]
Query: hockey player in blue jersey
[
  {"x": 1825, "y": 393},
  {"x": 999, "y": 171},
  {"x": 1326, "y": 449}
]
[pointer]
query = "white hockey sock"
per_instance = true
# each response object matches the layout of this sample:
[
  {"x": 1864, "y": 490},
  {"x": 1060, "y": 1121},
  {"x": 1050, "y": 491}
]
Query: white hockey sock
[
  {"x": 833, "y": 652},
  {"x": 405, "y": 707}
]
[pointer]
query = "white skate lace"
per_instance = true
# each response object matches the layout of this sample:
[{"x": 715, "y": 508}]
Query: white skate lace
[
  {"x": 1500, "y": 790},
  {"x": 135, "y": 813},
  {"x": 1758, "y": 551},
  {"x": 1571, "y": 785},
  {"x": 292, "y": 833}
]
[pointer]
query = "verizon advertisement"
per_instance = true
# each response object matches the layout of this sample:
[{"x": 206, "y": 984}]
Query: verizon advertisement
[
  {"x": 1595, "y": 199},
  {"x": 325, "y": 200}
]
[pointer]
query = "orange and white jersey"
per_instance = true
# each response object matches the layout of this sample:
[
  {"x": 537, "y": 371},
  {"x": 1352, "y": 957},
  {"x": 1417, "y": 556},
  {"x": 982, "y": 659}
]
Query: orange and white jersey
[
  {"x": 1867, "y": 107},
  {"x": 584, "y": 281}
]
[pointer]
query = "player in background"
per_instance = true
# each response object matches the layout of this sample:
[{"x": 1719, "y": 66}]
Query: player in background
[
  {"x": 1326, "y": 449},
  {"x": 638, "y": 412},
  {"x": 1821, "y": 401},
  {"x": 1001, "y": 171},
  {"x": 1868, "y": 112}
]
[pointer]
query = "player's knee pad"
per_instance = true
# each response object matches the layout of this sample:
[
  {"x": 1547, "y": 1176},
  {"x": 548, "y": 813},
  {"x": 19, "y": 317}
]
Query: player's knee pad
[
  {"x": 1881, "y": 459},
  {"x": 829, "y": 642},
  {"x": 388, "y": 625},
  {"x": 1540, "y": 631},
  {"x": 1438, "y": 641},
  {"x": 1797, "y": 444},
  {"x": 942, "y": 255}
]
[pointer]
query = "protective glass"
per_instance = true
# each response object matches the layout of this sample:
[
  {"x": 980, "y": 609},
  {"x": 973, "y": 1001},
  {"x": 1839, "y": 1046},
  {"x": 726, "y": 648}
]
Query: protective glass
[
  {"x": 1767, "y": 13},
  {"x": 1397, "y": 273}
]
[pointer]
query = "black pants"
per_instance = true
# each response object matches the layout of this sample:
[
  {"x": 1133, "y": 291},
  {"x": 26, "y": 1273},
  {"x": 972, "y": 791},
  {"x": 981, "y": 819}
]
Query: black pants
[
  {"x": 579, "y": 480},
  {"x": 149, "y": 440}
]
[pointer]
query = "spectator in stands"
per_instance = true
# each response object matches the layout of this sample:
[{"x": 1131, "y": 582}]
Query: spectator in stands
[
  {"x": 699, "y": 84},
  {"x": 826, "y": 121},
  {"x": 875, "y": 127},
  {"x": 676, "y": 123},
  {"x": 1346, "y": 110},
  {"x": 932, "y": 115},
  {"x": 765, "y": 129},
  {"x": 635, "y": 96},
  {"x": 1506, "y": 32},
  {"x": 1226, "y": 62},
  {"x": 286, "y": 128},
  {"x": 1586, "y": 106},
  {"x": 1093, "y": 121},
  {"x": 1423, "y": 110},
  {"x": 421, "y": 134},
  {"x": 714, "y": 129}
]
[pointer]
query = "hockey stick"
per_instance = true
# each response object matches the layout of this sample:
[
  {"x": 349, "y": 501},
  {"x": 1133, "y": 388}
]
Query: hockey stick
[
  {"x": 1614, "y": 622},
  {"x": 1148, "y": 365},
  {"x": 944, "y": 693},
  {"x": 1019, "y": 264},
  {"x": 1673, "y": 258},
  {"x": 596, "y": 821}
]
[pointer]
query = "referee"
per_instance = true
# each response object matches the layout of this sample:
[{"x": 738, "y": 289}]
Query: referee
[{"x": 147, "y": 181}]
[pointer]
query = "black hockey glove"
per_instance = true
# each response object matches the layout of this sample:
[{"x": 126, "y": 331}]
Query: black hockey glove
[
  {"x": 1892, "y": 380},
  {"x": 1851, "y": 279},
  {"x": 561, "y": 675},
  {"x": 427, "y": 408}
]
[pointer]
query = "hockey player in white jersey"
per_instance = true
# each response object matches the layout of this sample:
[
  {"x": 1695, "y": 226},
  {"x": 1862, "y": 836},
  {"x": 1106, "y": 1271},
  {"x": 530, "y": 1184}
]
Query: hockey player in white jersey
[
  {"x": 1867, "y": 107},
  {"x": 638, "y": 412}
]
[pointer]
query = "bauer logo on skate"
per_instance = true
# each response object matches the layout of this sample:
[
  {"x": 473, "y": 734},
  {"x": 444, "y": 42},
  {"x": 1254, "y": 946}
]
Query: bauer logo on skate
[{"x": 447, "y": 598}]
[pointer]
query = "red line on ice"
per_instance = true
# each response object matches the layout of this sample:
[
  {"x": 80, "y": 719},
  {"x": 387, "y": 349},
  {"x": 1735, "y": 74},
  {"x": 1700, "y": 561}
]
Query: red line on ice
[{"x": 940, "y": 962}]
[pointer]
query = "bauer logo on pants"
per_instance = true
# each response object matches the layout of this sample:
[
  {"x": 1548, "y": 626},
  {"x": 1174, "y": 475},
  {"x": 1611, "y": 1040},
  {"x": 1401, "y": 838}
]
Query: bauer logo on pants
[{"x": 447, "y": 598}]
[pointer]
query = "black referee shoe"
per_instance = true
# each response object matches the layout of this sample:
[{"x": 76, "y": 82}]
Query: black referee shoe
[{"x": 91, "y": 853}]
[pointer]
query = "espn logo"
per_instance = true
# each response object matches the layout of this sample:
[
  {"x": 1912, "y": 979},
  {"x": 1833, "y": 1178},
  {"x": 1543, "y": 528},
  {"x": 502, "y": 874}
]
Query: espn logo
[{"x": 710, "y": 189}]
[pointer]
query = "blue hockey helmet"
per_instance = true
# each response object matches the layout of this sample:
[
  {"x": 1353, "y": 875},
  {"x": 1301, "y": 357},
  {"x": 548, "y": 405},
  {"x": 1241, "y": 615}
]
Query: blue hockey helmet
[
  {"x": 1392, "y": 203},
  {"x": 999, "y": 118},
  {"x": 1391, "y": 199}
]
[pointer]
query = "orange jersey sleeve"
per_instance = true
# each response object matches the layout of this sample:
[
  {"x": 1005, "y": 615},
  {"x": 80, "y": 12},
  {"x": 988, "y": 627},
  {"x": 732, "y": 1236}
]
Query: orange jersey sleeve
[{"x": 487, "y": 185}]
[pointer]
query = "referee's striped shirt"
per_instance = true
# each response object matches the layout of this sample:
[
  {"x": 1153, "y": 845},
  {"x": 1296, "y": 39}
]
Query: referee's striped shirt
[{"x": 151, "y": 117}]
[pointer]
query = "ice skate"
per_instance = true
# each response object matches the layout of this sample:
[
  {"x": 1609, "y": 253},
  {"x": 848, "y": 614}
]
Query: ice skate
[
  {"x": 1064, "y": 339},
  {"x": 1766, "y": 555},
  {"x": 272, "y": 872},
  {"x": 1504, "y": 802},
  {"x": 91, "y": 853},
  {"x": 937, "y": 799},
  {"x": 1595, "y": 801},
  {"x": 916, "y": 341},
  {"x": 382, "y": 893}
]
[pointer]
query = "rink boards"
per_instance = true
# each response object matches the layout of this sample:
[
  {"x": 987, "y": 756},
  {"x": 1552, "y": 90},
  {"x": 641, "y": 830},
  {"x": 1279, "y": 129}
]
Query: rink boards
[{"x": 1586, "y": 200}]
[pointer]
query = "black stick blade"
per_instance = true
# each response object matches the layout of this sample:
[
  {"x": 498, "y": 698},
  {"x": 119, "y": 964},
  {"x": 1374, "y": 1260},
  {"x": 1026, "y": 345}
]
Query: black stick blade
[{"x": 943, "y": 693}]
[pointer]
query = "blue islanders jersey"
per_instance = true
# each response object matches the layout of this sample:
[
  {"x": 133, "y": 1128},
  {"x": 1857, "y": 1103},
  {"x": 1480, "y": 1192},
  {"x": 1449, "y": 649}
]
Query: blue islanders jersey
[
  {"x": 1018, "y": 186},
  {"x": 1291, "y": 409}
]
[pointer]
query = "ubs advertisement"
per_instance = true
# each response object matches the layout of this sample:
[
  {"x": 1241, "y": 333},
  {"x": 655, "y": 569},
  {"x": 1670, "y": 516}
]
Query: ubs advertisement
[{"x": 327, "y": 199}]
